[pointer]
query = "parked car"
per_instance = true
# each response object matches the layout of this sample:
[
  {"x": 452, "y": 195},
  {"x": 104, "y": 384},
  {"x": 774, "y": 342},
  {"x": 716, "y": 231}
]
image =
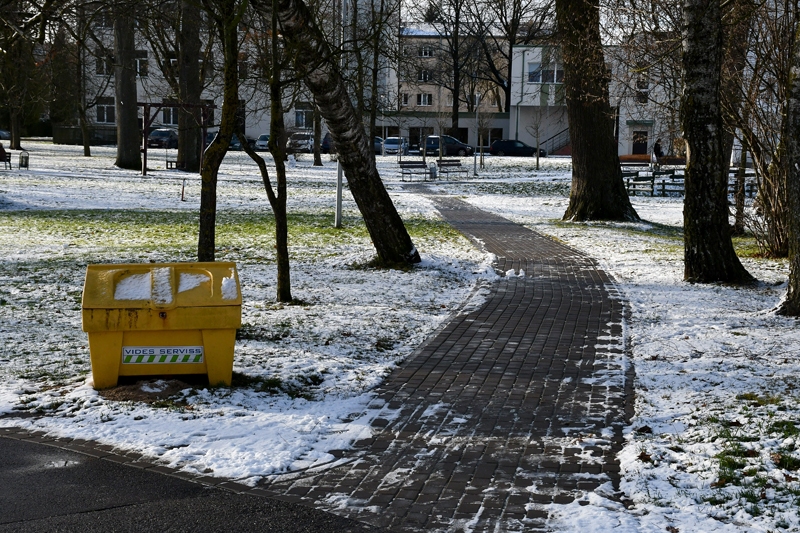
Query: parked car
[
  {"x": 262, "y": 143},
  {"x": 300, "y": 142},
  {"x": 163, "y": 138},
  {"x": 450, "y": 146},
  {"x": 237, "y": 145},
  {"x": 377, "y": 145},
  {"x": 510, "y": 147},
  {"x": 5, "y": 135},
  {"x": 327, "y": 146},
  {"x": 234, "y": 144},
  {"x": 394, "y": 145}
]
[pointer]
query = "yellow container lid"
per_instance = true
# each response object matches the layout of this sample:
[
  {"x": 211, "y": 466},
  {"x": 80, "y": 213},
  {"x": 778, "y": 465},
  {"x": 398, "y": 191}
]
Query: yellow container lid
[{"x": 161, "y": 286}]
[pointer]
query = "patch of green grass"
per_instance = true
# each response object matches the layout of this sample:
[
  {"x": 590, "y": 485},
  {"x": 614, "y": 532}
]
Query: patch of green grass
[
  {"x": 300, "y": 386},
  {"x": 758, "y": 400},
  {"x": 384, "y": 344},
  {"x": 526, "y": 188},
  {"x": 170, "y": 404},
  {"x": 746, "y": 246},
  {"x": 786, "y": 428},
  {"x": 717, "y": 498},
  {"x": 750, "y": 495}
]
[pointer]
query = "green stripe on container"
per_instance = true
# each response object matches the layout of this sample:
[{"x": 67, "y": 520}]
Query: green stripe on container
[
  {"x": 151, "y": 358},
  {"x": 174, "y": 359},
  {"x": 198, "y": 358},
  {"x": 139, "y": 358},
  {"x": 162, "y": 359},
  {"x": 185, "y": 359},
  {"x": 127, "y": 359}
]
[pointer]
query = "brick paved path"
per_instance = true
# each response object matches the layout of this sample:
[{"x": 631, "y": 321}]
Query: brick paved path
[{"x": 509, "y": 409}]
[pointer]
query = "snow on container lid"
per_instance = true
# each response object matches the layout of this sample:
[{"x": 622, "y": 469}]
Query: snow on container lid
[{"x": 161, "y": 285}]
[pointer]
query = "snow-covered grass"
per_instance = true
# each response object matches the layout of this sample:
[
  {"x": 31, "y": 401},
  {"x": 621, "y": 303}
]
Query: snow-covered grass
[{"x": 712, "y": 446}]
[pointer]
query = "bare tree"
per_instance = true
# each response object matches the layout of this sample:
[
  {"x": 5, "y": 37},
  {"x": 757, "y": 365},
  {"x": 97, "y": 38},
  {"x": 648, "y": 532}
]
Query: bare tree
[
  {"x": 127, "y": 111},
  {"x": 791, "y": 303},
  {"x": 21, "y": 81},
  {"x": 450, "y": 19},
  {"x": 316, "y": 61},
  {"x": 225, "y": 16},
  {"x": 708, "y": 250},
  {"x": 190, "y": 86},
  {"x": 762, "y": 88},
  {"x": 503, "y": 25},
  {"x": 598, "y": 192}
]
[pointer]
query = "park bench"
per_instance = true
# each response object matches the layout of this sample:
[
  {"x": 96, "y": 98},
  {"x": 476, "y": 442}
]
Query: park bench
[
  {"x": 638, "y": 182},
  {"x": 413, "y": 168},
  {"x": 7, "y": 160},
  {"x": 451, "y": 166},
  {"x": 668, "y": 182}
]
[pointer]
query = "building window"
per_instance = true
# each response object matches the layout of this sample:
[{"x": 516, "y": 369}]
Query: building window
[
  {"x": 424, "y": 99},
  {"x": 141, "y": 63},
  {"x": 534, "y": 73},
  {"x": 171, "y": 65},
  {"x": 169, "y": 115},
  {"x": 545, "y": 73},
  {"x": 404, "y": 100},
  {"x": 552, "y": 73},
  {"x": 105, "y": 110},
  {"x": 642, "y": 91},
  {"x": 304, "y": 116},
  {"x": 425, "y": 51},
  {"x": 104, "y": 63},
  {"x": 497, "y": 101},
  {"x": 423, "y": 75}
]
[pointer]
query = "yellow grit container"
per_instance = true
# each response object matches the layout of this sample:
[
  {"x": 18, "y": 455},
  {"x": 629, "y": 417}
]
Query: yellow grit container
[{"x": 161, "y": 318}]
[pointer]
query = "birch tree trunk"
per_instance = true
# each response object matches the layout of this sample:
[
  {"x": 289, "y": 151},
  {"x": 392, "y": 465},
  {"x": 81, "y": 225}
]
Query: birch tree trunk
[
  {"x": 317, "y": 65},
  {"x": 708, "y": 250},
  {"x": 791, "y": 304},
  {"x": 598, "y": 191}
]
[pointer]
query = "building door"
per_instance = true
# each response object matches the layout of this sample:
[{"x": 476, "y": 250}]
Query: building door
[{"x": 639, "y": 142}]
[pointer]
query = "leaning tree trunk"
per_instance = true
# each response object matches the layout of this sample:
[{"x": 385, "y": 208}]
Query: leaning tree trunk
[
  {"x": 317, "y": 64},
  {"x": 598, "y": 191},
  {"x": 189, "y": 86},
  {"x": 227, "y": 21},
  {"x": 127, "y": 110},
  {"x": 708, "y": 250},
  {"x": 791, "y": 304}
]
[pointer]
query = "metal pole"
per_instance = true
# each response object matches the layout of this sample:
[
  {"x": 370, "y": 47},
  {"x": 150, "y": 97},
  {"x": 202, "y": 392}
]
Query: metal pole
[
  {"x": 145, "y": 128},
  {"x": 338, "y": 220},
  {"x": 478, "y": 137}
]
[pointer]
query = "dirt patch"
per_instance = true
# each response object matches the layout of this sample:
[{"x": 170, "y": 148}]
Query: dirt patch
[{"x": 146, "y": 391}]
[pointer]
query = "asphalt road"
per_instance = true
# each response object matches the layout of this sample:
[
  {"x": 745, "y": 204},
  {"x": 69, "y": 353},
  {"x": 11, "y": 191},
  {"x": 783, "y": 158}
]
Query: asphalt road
[{"x": 45, "y": 488}]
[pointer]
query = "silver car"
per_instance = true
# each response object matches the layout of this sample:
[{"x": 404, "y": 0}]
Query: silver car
[
  {"x": 262, "y": 143},
  {"x": 300, "y": 142},
  {"x": 394, "y": 145}
]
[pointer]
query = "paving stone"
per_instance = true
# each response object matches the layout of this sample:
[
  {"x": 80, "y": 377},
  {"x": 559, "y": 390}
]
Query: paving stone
[{"x": 518, "y": 371}]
